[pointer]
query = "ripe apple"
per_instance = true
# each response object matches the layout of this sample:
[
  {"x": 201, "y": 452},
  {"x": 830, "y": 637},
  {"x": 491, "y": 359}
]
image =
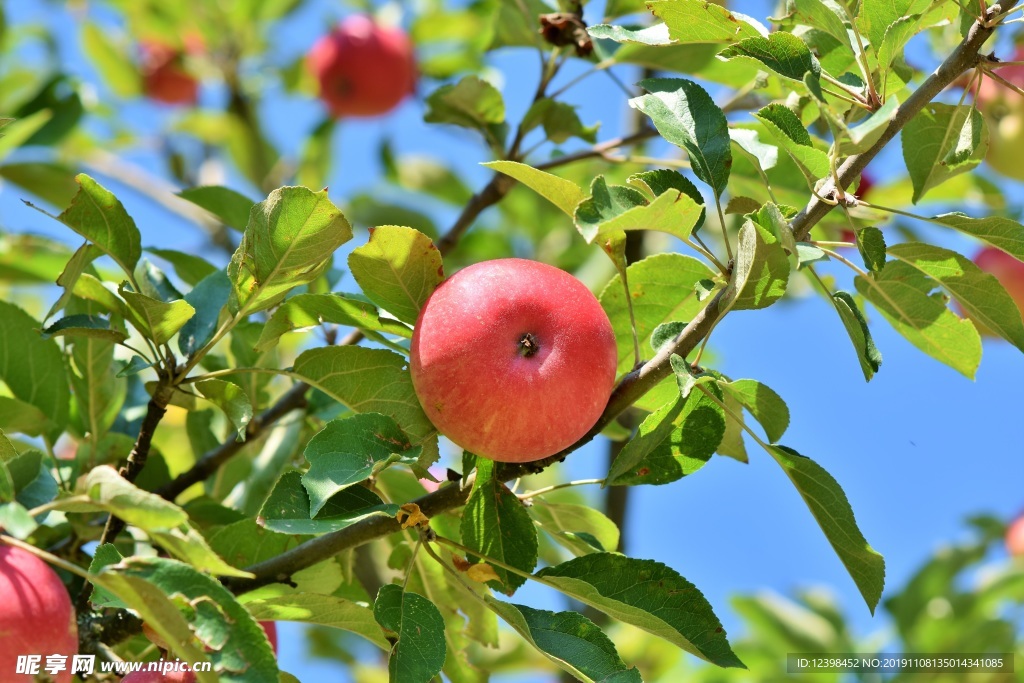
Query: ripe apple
[
  {"x": 513, "y": 360},
  {"x": 363, "y": 68},
  {"x": 36, "y": 616},
  {"x": 164, "y": 77},
  {"x": 1015, "y": 537}
]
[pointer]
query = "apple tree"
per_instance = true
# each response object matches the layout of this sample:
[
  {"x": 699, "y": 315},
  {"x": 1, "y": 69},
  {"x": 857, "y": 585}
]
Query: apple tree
[{"x": 198, "y": 440}]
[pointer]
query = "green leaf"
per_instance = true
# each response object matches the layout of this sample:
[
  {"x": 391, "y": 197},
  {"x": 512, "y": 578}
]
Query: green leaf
[
  {"x": 865, "y": 134},
  {"x": 471, "y": 103},
  {"x": 289, "y": 241},
  {"x": 656, "y": 34},
  {"x": 827, "y": 15},
  {"x": 98, "y": 395},
  {"x": 999, "y": 231},
  {"x": 648, "y": 595},
  {"x": 766, "y": 156},
  {"x": 830, "y": 507},
  {"x": 856, "y": 325},
  {"x": 732, "y": 445},
  {"x": 980, "y": 294},
  {"x": 687, "y": 117},
  {"x": 904, "y": 296},
  {"x": 208, "y": 298},
  {"x": 231, "y": 207},
  {"x": 662, "y": 287},
  {"x": 287, "y": 509},
  {"x": 188, "y": 545},
  {"x": 76, "y": 265},
  {"x": 109, "y": 491},
  {"x": 155, "y": 320},
  {"x": 15, "y": 520},
  {"x": 83, "y": 325},
  {"x": 564, "y": 194},
  {"x": 97, "y": 215},
  {"x": 33, "y": 483},
  {"x": 783, "y": 54},
  {"x": 764, "y": 404},
  {"x": 665, "y": 333},
  {"x": 20, "y": 417},
  {"x": 53, "y": 183},
  {"x": 784, "y": 126},
  {"x": 672, "y": 442},
  {"x": 871, "y": 245},
  {"x": 231, "y": 637},
  {"x": 189, "y": 267},
  {"x": 398, "y": 269},
  {"x": 349, "y": 450},
  {"x": 610, "y": 212},
  {"x": 419, "y": 651},
  {"x": 22, "y": 130},
  {"x": 324, "y": 610},
  {"x": 311, "y": 310},
  {"x": 696, "y": 21},
  {"x": 761, "y": 273},
  {"x": 154, "y": 283},
  {"x": 231, "y": 399},
  {"x": 111, "y": 60},
  {"x": 565, "y": 522},
  {"x": 942, "y": 141},
  {"x": 496, "y": 524},
  {"x": 876, "y": 17},
  {"x": 32, "y": 368},
  {"x": 570, "y": 640},
  {"x": 367, "y": 381},
  {"x": 559, "y": 120}
]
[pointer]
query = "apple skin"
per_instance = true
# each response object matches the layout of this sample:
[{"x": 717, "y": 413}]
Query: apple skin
[
  {"x": 363, "y": 69},
  {"x": 36, "y": 616},
  {"x": 474, "y": 373},
  {"x": 164, "y": 78},
  {"x": 1015, "y": 537}
]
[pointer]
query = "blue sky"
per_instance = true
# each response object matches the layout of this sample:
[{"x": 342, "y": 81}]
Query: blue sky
[{"x": 916, "y": 450}]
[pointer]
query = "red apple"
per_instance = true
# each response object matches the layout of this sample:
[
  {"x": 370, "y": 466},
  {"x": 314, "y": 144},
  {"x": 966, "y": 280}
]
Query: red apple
[
  {"x": 164, "y": 77},
  {"x": 363, "y": 68},
  {"x": 270, "y": 628},
  {"x": 36, "y": 616},
  {"x": 513, "y": 360},
  {"x": 1004, "y": 111},
  {"x": 1015, "y": 537}
]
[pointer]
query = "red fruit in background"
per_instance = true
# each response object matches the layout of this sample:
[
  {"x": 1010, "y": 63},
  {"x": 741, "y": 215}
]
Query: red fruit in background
[
  {"x": 164, "y": 77},
  {"x": 270, "y": 628},
  {"x": 1015, "y": 537},
  {"x": 363, "y": 69},
  {"x": 36, "y": 617},
  {"x": 1008, "y": 270},
  {"x": 513, "y": 360},
  {"x": 1004, "y": 111}
]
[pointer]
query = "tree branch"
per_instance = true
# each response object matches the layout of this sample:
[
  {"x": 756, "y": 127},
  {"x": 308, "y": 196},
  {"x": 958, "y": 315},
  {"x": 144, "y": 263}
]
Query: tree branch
[
  {"x": 636, "y": 383},
  {"x": 964, "y": 57}
]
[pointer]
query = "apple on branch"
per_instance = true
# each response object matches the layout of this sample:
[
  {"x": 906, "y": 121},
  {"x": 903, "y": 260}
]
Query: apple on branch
[
  {"x": 513, "y": 360},
  {"x": 36, "y": 616},
  {"x": 363, "y": 68}
]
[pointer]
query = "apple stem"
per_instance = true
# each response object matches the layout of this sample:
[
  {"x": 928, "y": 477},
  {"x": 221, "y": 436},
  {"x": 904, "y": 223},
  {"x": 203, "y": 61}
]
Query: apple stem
[{"x": 528, "y": 345}]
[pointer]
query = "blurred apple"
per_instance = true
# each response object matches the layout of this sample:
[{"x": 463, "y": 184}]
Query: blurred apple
[
  {"x": 363, "y": 68},
  {"x": 1015, "y": 537},
  {"x": 164, "y": 77},
  {"x": 1008, "y": 270}
]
